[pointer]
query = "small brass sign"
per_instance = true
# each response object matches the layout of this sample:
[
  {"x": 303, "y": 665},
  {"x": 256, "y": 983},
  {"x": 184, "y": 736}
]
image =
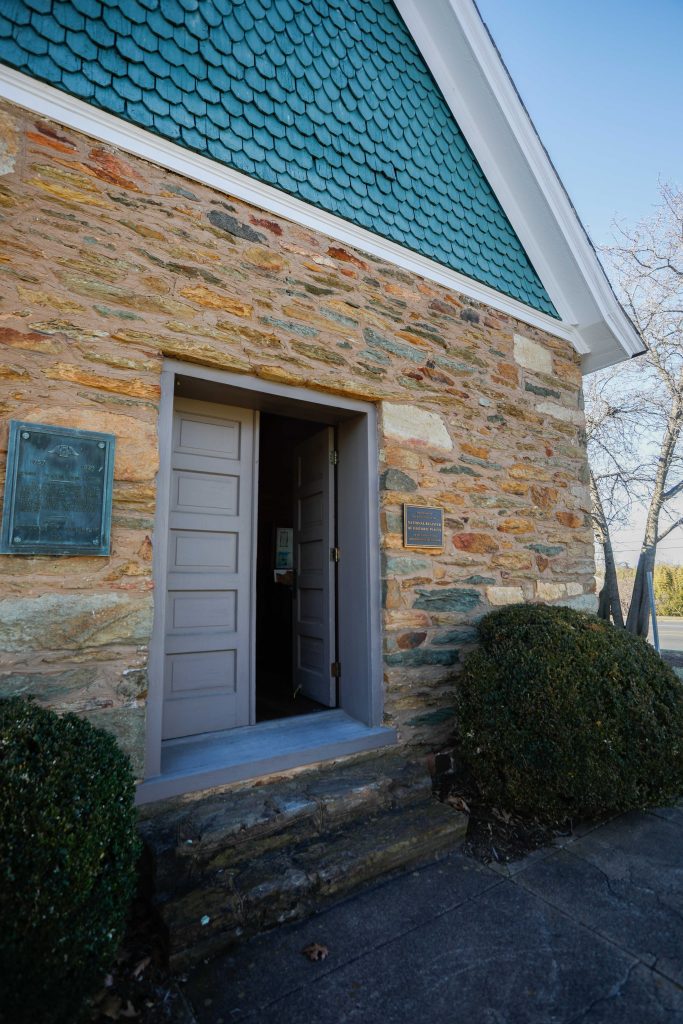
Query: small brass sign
[
  {"x": 58, "y": 491},
  {"x": 422, "y": 526}
]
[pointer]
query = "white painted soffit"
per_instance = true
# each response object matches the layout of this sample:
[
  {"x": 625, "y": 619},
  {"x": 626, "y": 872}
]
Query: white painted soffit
[{"x": 463, "y": 58}]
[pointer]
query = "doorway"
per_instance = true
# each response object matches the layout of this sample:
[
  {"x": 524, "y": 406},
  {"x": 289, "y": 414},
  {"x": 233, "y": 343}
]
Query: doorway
[
  {"x": 296, "y": 622},
  {"x": 242, "y": 462}
]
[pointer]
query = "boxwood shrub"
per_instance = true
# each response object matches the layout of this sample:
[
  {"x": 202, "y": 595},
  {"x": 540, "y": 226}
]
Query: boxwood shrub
[
  {"x": 68, "y": 853},
  {"x": 562, "y": 715}
]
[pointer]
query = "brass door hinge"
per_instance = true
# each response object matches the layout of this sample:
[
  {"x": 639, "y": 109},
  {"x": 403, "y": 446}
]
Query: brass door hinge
[
  {"x": 335, "y": 669},
  {"x": 335, "y": 554}
]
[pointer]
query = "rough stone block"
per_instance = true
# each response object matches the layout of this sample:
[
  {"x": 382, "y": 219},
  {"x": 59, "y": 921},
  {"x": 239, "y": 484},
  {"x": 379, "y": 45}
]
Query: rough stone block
[
  {"x": 499, "y": 596},
  {"x": 74, "y": 621},
  {"x": 532, "y": 356},
  {"x": 411, "y": 423}
]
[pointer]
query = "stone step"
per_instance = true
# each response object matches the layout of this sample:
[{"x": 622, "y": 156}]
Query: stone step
[
  {"x": 205, "y": 832},
  {"x": 232, "y": 900}
]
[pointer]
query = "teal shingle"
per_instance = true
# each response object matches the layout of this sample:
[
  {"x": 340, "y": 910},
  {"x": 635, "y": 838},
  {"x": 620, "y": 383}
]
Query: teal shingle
[{"x": 327, "y": 99}]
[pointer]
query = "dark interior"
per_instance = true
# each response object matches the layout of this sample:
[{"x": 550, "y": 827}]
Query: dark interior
[{"x": 275, "y": 694}]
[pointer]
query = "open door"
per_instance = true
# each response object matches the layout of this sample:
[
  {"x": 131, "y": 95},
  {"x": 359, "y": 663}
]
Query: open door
[
  {"x": 207, "y": 674},
  {"x": 314, "y": 538}
]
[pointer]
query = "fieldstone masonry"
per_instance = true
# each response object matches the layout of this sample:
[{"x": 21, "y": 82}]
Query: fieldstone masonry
[{"x": 110, "y": 263}]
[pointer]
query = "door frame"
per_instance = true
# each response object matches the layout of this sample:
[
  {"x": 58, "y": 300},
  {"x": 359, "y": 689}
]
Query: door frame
[{"x": 359, "y": 581}]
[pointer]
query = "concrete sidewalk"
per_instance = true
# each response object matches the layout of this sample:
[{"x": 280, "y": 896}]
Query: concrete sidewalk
[{"x": 591, "y": 932}]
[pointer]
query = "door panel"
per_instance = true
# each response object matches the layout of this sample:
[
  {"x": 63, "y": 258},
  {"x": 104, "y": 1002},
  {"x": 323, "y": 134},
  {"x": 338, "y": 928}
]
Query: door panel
[
  {"x": 207, "y": 679},
  {"x": 314, "y": 607}
]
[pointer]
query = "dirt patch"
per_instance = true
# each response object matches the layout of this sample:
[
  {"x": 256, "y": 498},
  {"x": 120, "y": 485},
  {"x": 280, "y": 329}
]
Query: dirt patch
[
  {"x": 140, "y": 987},
  {"x": 494, "y": 835}
]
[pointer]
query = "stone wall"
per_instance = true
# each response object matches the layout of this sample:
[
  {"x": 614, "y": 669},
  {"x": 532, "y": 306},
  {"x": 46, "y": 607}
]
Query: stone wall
[{"x": 110, "y": 263}]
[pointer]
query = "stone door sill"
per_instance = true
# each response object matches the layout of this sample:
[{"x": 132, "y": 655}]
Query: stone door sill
[{"x": 214, "y": 759}]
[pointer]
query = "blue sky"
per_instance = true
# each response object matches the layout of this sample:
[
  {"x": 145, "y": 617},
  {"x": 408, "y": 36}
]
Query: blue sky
[{"x": 603, "y": 82}]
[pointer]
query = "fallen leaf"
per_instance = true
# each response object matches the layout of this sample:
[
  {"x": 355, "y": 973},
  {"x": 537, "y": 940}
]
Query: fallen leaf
[
  {"x": 137, "y": 971},
  {"x": 458, "y": 803},
  {"x": 129, "y": 1011},
  {"x": 315, "y": 951}
]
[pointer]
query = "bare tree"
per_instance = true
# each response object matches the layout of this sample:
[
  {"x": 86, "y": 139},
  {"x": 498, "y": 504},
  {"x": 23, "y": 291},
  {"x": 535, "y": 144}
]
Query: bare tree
[{"x": 635, "y": 411}]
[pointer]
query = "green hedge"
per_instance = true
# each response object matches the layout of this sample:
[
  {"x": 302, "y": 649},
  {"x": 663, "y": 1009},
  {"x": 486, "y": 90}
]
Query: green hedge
[
  {"x": 68, "y": 852},
  {"x": 563, "y": 715}
]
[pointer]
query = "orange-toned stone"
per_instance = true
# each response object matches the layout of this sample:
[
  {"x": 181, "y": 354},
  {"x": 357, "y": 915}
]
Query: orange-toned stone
[
  {"x": 337, "y": 253},
  {"x": 31, "y": 340},
  {"x": 516, "y": 524},
  {"x": 528, "y": 471},
  {"x": 264, "y": 259},
  {"x": 145, "y": 550},
  {"x": 516, "y": 561},
  {"x": 477, "y": 543},
  {"x": 135, "y": 387},
  {"x": 393, "y": 594},
  {"x": 514, "y": 487},
  {"x": 544, "y": 497},
  {"x": 210, "y": 299},
  {"x": 570, "y": 519},
  {"x": 407, "y": 641},
  {"x": 508, "y": 371},
  {"x": 478, "y": 451},
  {"x": 43, "y": 140},
  {"x": 113, "y": 169},
  {"x": 269, "y": 225}
]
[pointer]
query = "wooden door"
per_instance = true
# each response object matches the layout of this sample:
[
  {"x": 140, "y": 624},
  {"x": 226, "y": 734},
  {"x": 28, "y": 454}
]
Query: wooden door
[
  {"x": 314, "y": 605},
  {"x": 207, "y": 677}
]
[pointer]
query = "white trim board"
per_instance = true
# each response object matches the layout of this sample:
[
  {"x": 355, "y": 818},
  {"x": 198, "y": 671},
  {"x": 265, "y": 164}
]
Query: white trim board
[
  {"x": 468, "y": 68},
  {"x": 600, "y": 341}
]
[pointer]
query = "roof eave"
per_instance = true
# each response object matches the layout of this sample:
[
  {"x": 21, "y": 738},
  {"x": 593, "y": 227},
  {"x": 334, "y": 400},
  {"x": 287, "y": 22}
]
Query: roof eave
[{"x": 461, "y": 55}]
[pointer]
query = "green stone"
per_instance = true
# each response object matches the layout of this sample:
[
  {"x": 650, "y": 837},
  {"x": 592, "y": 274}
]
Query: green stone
[
  {"x": 422, "y": 656},
  {"x": 459, "y": 635},
  {"x": 183, "y": 269},
  {"x": 376, "y": 340},
  {"x": 543, "y": 392},
  {"x": 394, "y": 522},
  {"x": 313, "y": 289},
  {"x": 433, "y": 717},
  {"x": 224, "y": 222},
  {"x": 339, "y": 318},
  {"x": 472, "y": 460},
  {"x": 546, "y": 549},
  {"x": 58, "y": 688},
  {"x": 460, "y": 470},
  {"x": 325, "y": 355},
  {"x": 406, "y": 566},
  {"x": 396, "y": 480},
  {"x": 448, "y": 600},
  {"x": 122, "y": 314},
  {"x": 289, "y": 325},
  {"x": 378, "y": 357}
]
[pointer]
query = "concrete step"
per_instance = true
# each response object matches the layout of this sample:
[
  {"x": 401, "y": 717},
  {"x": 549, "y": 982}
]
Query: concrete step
[
  {"x": 236, "y": 900},
  {"x": 214, "y": 829}
]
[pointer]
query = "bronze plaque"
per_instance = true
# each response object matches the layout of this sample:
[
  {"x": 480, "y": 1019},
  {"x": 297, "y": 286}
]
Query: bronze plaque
[
  {"x": 58, "y": 491},
  {"x": 422, "y": 526}
]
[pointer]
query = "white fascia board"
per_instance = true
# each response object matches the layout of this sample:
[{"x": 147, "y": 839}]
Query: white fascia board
[
  {"x": 59, "y": 106},
  {"x": 476, "y": 85}
]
